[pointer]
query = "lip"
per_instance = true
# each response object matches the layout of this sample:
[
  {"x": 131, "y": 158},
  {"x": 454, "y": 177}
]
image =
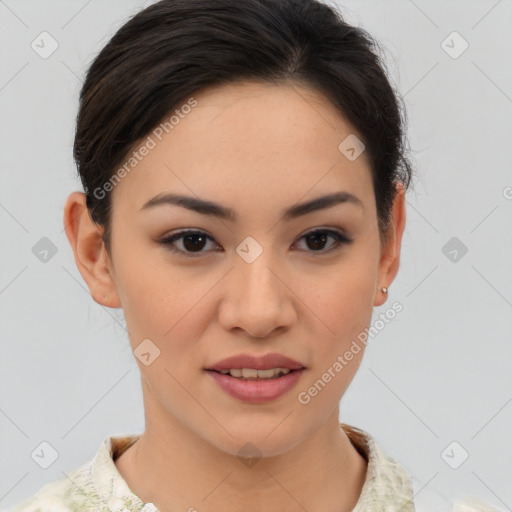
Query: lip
[
  {"x": 265, "y": 362},
  {"x": 256, "y": 391}
]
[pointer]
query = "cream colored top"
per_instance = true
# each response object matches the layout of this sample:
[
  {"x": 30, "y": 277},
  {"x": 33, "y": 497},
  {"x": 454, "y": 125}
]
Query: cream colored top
[{"x": 98, "y": 486}]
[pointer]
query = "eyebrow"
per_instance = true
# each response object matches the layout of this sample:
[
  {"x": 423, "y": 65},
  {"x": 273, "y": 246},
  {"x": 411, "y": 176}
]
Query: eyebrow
[{"x": 205, "y": 207}]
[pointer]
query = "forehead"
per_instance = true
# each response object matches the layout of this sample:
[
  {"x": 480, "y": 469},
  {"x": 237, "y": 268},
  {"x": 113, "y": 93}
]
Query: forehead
[{"x": 247, "y": 138}]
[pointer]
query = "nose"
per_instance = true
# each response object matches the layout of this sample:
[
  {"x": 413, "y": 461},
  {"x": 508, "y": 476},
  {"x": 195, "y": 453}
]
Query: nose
[{"x": 257, "y": 299}]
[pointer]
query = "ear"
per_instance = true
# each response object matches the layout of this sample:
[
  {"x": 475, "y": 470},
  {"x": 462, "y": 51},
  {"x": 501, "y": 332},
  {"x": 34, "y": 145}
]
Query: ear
[
  {"x": 390, "y": 253},
  {"x": 91, "y": 256}
]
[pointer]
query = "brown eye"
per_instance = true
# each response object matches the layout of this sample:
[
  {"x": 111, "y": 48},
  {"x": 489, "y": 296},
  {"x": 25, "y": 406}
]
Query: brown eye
[
  {"x": 193, "y": 242},
  {"x": 317, "y": 239}
]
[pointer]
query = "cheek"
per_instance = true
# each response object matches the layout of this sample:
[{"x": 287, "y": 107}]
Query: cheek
[
  {"x": 343, "y": 300},
  {"x": 347, "y": 305},
  {"x": 345, "y": 308},
  {"x": 167, "y": 304},
  {"x": 343, "y": 297}
]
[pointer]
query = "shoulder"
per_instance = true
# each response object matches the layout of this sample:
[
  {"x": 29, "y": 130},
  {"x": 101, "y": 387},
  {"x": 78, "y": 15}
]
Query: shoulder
[
  {"x": 428, "y": 500},
  {"x": 94, "y": 486},
  {"x": 60, "y": 495},
  {"x": 389, "y": 482},
  {"x": 472, "y": 504}
]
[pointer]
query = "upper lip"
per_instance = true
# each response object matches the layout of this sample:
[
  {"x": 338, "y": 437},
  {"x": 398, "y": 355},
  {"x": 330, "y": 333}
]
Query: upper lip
[{"x": 265, "y": 362}]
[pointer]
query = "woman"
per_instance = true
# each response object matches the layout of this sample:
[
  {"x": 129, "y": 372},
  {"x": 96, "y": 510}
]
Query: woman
[{"x": 245, "y": 172}]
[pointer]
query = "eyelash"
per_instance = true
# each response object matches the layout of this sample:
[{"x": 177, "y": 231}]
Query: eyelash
[{"x": 340, "y": 238}]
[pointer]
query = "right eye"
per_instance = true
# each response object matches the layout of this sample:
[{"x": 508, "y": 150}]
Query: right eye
[{"x": 192, "y": 241}]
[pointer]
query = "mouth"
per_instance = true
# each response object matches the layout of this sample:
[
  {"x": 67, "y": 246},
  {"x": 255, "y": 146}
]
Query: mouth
[{"x": 256, "y": 379}]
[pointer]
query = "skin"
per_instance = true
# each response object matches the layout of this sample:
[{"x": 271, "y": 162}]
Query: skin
[{"x": 257, "y": 148}]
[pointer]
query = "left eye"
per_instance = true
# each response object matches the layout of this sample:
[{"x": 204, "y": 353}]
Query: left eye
[{"x": 194, "y": 241}]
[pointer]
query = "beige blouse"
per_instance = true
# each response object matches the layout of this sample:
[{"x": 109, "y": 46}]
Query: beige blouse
[{"x": 98, "y": 486}]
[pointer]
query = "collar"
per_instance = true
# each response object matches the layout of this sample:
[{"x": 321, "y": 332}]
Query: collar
[{"x": 387, "y": 482}]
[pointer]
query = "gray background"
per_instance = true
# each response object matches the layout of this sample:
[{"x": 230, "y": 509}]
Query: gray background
[{"x": 438, "y": 373}]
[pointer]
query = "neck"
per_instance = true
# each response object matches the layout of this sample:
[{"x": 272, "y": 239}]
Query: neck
[{"x": 175, "y": 469}]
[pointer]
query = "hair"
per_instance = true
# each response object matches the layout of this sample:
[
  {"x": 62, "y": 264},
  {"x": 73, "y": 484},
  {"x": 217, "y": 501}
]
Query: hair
[{"x": 174, "y": 48}]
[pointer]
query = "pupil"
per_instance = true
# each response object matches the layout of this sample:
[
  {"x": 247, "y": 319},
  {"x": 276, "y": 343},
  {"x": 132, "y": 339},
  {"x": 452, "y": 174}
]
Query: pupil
[
  {"x": 192, "y": 246},
  {"x": 315, "y": 237}
]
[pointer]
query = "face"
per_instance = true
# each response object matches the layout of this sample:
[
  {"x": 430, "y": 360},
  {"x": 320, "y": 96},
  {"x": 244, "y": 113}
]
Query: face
[{"x": 253, "y": 281}]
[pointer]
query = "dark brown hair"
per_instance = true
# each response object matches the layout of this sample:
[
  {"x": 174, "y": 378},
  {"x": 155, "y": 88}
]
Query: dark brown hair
[{"x": 175, "y": 48}]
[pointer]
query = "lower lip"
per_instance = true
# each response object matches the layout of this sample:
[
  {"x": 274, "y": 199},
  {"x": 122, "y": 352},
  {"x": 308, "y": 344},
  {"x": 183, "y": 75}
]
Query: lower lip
[{"x": 256, "y": 391}]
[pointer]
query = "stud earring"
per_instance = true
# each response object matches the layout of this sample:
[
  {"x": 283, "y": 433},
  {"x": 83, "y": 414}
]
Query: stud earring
[{"x": 384, "y": 289}]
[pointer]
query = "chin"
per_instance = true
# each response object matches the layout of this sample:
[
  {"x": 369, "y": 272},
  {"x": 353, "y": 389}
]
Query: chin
[{"x": 255, "y": 441}]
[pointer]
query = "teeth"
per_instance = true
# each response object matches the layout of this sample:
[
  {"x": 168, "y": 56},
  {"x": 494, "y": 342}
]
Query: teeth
[{"x": 251, "y": 373}]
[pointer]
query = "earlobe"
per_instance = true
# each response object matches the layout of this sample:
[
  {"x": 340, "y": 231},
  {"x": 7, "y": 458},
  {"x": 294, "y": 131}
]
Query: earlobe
[
  {"x": 390, "y": 257},
  {"x": 89, "y": 250}
]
